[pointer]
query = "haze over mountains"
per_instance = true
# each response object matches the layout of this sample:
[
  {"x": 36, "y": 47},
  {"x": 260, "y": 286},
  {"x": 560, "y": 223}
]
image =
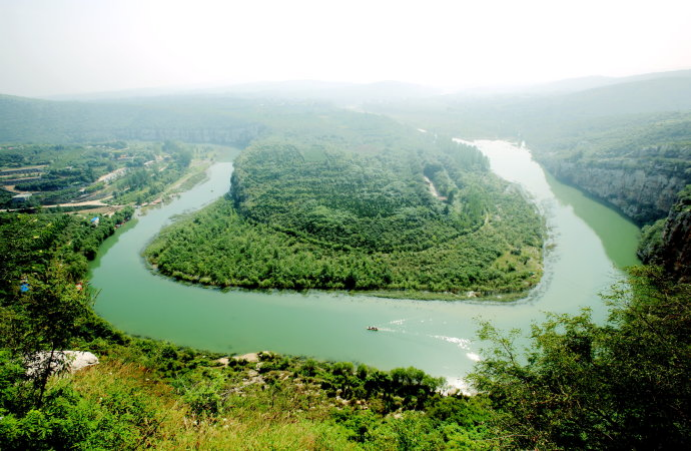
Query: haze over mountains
[
  {"x": 382, "y": 90},
  {"x": 152, "y": 114}
]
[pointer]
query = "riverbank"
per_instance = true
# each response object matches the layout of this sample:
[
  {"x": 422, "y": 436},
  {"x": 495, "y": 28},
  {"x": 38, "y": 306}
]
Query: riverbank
[{"x": 438, "y": 337}]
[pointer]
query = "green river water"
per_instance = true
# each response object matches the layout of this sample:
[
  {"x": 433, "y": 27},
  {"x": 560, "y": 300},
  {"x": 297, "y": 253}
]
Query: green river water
[{"x": 588, "y": 243}]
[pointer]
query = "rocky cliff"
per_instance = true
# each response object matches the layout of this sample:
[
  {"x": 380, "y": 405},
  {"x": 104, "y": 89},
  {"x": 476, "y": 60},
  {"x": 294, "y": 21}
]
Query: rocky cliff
[
  {"x": 636, "y": 164},
  {"x": 644, "y": 193},
  {"x": 667, "y": 242}
]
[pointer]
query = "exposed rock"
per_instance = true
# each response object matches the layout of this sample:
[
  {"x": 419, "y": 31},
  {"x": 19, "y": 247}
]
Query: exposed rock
[
  {"x": 671, "y": 249},
  {"x": 676, "y": 244},
  {"x": 643, "y": 195},
  {"x": 61, "y": 361},
  {"x": 251, "y": 357}
]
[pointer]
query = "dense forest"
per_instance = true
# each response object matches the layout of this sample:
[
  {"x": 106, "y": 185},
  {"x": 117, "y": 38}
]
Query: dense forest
[
  {"x": 666, "y": 242},
  {"x": 378, "y": 207},
  {"x": 583, "y": 385}
]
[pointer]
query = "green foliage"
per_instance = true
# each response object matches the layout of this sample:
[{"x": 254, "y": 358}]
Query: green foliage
[
  {"x": 449, "y": 423},
  {"x": 146, "y": 393},
  {"x": 181, "y": 154},
  {"x": 648, "y": 157},
  {"x": 116, "y": 409},
  {"x": 623, "y": 385},
  {"x": 43, "y": 309},
  {"x": 219, "y": 247},
  {"x": 667, "y": 241},
  {"x": 353, "y": 210},
  {"x": 373, "y": 201},
  {"x": 651, "y": 241},
  {"x": 373, "y": 222}
]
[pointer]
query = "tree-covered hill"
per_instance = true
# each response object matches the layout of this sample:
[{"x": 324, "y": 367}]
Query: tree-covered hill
[
  {"x": 377, "y": 202},
  {"x": 43, "y": 121},
  {"x": 360, "y": 203},
  {"x": 542, "y": 110}
]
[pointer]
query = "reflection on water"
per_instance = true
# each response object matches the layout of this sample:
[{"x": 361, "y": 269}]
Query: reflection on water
[{"x": 436, "y": 336}]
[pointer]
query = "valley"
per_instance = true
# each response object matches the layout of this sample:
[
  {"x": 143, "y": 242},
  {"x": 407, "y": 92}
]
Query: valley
[{"x": 389, "y": 281}]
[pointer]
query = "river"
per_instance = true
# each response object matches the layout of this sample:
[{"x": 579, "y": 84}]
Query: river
[{"x": 588, "y": 243}]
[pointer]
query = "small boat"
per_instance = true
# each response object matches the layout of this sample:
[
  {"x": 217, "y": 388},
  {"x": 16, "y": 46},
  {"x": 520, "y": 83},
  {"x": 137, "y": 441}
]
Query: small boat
[{"x": 373, "y": 328}]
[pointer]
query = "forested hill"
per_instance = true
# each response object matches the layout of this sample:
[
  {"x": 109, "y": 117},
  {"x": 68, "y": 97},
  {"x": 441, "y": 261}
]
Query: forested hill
[
  {"x": 343, "y": 200},
  {"x": 42, "y": 121},
  {"x": 655, "y": 95},
  {"x": 373, "y": 201}
]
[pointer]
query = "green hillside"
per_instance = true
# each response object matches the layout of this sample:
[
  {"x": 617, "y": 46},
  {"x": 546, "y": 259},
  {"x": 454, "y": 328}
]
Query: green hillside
[
  {"x": 360, "y": 204},
  {"x": 25, "y": 120}
]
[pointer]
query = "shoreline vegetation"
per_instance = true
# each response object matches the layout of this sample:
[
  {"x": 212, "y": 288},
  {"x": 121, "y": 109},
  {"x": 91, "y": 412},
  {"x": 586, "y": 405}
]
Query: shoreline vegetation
[{"x": 395, "y": 214}]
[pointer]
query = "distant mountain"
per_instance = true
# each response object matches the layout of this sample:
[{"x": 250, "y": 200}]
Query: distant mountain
[
  {"x": 627, "y": 144},
  {"x": 552, "y": 104},
  {"x": 638, "y": 95},
  {"x": 341, "y": 94},
  {"x": 216, "y": 115},
  {"x": 44, "y": 121},
  {"x": 571, "y": 85},
  {"x": 566, "y": 86}
]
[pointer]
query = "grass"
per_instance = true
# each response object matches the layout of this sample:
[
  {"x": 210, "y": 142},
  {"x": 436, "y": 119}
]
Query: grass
[{"x": 257, "y": 418}]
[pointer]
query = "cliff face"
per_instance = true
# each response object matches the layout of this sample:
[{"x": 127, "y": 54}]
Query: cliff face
[
  {"x": 676, "y": 243},
  {"x": 642, "y": 194},
  {"x": 636, "y": 164},
  {"x": 667, "y": 243}
]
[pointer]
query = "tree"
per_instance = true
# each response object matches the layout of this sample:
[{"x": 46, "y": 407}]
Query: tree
[
  {"x": 41, "y": 324},
  {"x": 40, "y": 304},
  {"x": 580, "y": 385}
]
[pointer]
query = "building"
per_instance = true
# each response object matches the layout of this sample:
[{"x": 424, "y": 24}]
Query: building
[{"x": 21, "y": 198}]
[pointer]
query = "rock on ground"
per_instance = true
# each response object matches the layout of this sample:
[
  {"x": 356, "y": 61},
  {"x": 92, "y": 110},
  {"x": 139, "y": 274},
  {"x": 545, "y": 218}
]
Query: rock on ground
[{"x": 62, "y": 361}]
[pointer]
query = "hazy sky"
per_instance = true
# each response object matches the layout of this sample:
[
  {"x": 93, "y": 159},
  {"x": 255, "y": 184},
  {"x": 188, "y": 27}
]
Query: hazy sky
[{"x": 52, "y": 47}]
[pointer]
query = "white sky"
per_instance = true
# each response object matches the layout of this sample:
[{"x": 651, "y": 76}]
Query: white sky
[{"x": 50, "y": 47}]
